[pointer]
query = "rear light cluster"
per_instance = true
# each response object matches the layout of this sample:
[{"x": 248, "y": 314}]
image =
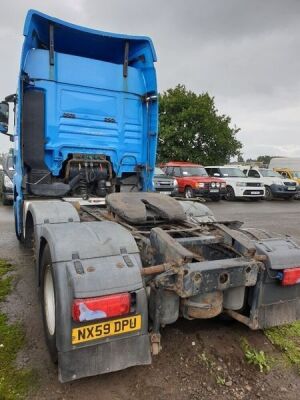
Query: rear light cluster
[
  {"x": 101, "y": 307},
  {"x": 289, "y": 276}
]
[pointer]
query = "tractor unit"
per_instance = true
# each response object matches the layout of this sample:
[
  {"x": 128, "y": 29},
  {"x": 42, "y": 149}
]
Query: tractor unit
[{"x": 115, "y": 261}]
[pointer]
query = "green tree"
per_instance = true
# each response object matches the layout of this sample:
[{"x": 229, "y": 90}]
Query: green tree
[
  {"x": 192, "y": 130},
  {"x": 240, "y": 158},
  {"x": 265, "y": 159}
]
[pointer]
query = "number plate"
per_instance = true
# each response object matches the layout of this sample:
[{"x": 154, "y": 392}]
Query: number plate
[
  {"x": 105, "y": 329},
  {"x": 214, "y": 190},
  {"x": 165, "y": 193},
  {"x": 291, "y": 188},
  {"x": 255, "y": 192}
]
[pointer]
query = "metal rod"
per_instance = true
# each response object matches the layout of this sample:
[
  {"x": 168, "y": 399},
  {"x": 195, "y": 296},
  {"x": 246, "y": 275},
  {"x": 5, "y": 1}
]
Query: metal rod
[
  {"x": 157, "y": 269},
  {"x": 125, "y": 64},
  {"x": 239, "y": 317},
  {"x": 51, "y": 44}
]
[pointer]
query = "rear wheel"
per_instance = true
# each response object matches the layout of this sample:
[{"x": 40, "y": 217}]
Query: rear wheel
[
  {"x": 229, "y": 193},
  {"x": 269, "y": 194},
  {"x": 48, "y": 302},
  {"x": 28, "y": 240},
  {"x": 188, "y": 193}
]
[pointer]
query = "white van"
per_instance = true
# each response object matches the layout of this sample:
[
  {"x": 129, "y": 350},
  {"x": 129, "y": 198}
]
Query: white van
[
  {"x": 237, "y": 184},
  {"x": 292, "y": 163}
]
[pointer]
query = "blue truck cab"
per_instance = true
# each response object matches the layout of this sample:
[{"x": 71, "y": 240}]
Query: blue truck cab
[
  {"x": 86, "y": 113},
  {"x": 85, "y": 126}
]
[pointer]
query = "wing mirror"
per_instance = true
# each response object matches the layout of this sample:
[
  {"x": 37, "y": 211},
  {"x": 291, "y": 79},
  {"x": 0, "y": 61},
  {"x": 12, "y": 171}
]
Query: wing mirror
[{"x": 4, "y": 116}]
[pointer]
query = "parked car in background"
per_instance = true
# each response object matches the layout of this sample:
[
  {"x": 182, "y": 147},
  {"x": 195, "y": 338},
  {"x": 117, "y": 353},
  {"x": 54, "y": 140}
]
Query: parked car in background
[
  {"x": 164, "y": 183},
  {"x": 288, "y": 173},
  {"x": 237, "y": 184},
  {"x": 276, "y": 186},
  {"x": 287, "y": 167},
  {"x": 193, "y": 180},
  {"x": 6, "y": 180},
  {"x": 293, "y": 175}
]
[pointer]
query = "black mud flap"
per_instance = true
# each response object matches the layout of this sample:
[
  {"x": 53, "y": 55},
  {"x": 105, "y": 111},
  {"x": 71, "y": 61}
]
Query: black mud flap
[
  {"x": 273, "y": 304},
  {"x": 104, "y": 358}
]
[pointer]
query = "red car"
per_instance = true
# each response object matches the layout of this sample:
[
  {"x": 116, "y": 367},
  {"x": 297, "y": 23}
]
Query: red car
[{"x": 193, "y": 180}]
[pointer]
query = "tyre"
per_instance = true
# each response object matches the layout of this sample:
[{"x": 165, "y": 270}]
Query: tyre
[
  {"x": 269, "y": 194},
  {"x": 188, "y": 193},
  {"x": 19, "y": 237},
  {"x": 48, "y": 302},
  {"x": 229, "y": 193},
  {"x": 28, "y": 240}
]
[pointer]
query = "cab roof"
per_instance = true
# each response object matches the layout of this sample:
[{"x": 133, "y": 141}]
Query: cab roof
[{"x": 82, "y": 41}]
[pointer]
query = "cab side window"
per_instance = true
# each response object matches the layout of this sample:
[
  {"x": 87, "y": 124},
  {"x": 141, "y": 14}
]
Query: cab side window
[
  {"x": 169, "y": 170},
  {"x": 177, "y": 171},
  {"x": 215, "y": 171},
  {"x": 253, "y": 173}
]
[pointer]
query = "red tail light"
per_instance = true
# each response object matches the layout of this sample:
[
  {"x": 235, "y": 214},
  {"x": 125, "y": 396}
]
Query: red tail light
[
  {"x": 101, "y": 307},
  {"x": 291, "y": 276}
]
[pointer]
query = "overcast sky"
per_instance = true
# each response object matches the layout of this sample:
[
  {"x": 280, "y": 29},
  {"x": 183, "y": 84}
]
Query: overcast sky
[{"x": 245, "y": 53}]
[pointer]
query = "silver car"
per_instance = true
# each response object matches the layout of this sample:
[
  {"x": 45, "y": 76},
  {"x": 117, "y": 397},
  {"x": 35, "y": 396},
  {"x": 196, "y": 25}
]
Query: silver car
[{"x": 164, "y": 183}]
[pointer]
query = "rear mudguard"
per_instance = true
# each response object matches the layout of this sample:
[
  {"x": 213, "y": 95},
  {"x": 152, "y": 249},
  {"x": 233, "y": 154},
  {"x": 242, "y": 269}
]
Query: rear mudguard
[
  {"x": 270, "y": 303},
  {"x": 276, "y": 304},
  {"x": 93, "y": 259},
  {"x": 38, "y": 213}
]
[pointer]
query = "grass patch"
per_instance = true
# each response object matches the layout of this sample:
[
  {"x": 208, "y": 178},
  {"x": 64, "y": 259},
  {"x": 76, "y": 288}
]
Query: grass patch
[
  {"x": 206, "y": 360},
  {"x": 220, "y": 380},
  {"x": 287, "y": 339},
  {"x": 14, "y": 383},
  {"x": 255, "y": 357},
  {"x": 5, "y": 281}
]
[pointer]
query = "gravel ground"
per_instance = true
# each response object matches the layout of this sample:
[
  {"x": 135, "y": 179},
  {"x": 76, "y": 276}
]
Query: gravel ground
[{"x": 200, "y": 359}]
